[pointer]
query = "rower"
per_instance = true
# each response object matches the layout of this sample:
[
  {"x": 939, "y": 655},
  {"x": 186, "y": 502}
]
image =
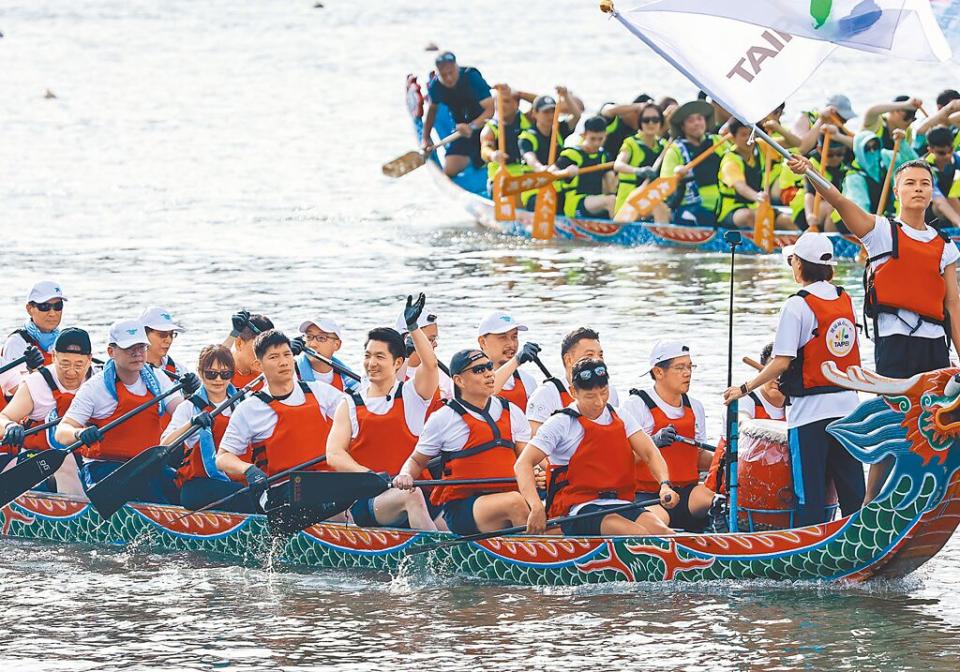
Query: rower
[
  {"x": 161, "y": 331},
  {"x": 588, "y": 195},
  {"x": 283, "y": 425},
  {"x": 592, "y": 452},
  {"x": 944, "y": 163},
  {"x": 199, "y": 479},
  {"x": 863, "y": 183},
  {"x": 699, "y": 197},
  {"x": 836, "y": 109},
  {"x": 622, "y": 121},
  {"x": 322, "y": 335},
  {"x": 499, "y": 338},
  {"x": 44, "y": 310},
  {"x": 666, "y": 411},
  {"x": 885, "y": 118},
  {"x": 554, "y": 394},
  {"x": 476, "y": 435},
  {"x": 911, "y": 284},
  {"x": 124, "y": 383},
  {"x": 767, "y": 402},
  {"x": 534, "y": 142},
  {"x": 515, "y": 122},
  {"x": 43, "y": 396},
  {"x": 376, "y": 429},
  {"x": 827, "y": 219},
  {"x": 246, "y": 328},
  {"x": 817, "y": 325},
  {"x": 637, "y": 155},
  {"x": 741, "y": 181},
  {"x": 466, "y": 94},
  {"x": 426, "y": 322}
]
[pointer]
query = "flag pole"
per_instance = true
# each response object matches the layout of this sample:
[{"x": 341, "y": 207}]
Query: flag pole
[{"x": 607, "y": 7}]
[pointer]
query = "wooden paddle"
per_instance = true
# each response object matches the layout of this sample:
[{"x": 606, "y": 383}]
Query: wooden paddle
[
  {"x": 41, "y": 466},
  {"x": 750, "y": 361},
  {"x": 116, "y": 489},
  {"x": 641, "y": 200},
  {"x": 520, "y": 529},
  {"x": 824, "y": 152},
  {"x": 504, "y": 206},
  {"x": 885, "y": 194},
  {"x": 545, "y": 211},
  {"x": 514, "y": 184},
  {"x": 765, "y": 217},
  {"x": 415, "y": 158}
]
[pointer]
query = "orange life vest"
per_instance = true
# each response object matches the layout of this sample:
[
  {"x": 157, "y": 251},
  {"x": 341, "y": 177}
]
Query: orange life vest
[
  {"x": 682, "y": 459},
  {"x": 910, "y": 279},
  {"x": 383, "y": 442},
  {"x": 834, "y": 339},
  {"x": 192, "y": 464},
  {"x": 488, "y": 453},
  {"x": 565, "y": 398},
  {"x": 299, "y": 436},
  {"x": 62, "y": 400},
  {"x": 129, "y": 438},
  {"x": 436, "y": 403},
  {"x": 601, "y": 467},
  {"x": 759, "y": 410},
  {"x": 241, "y": 380},
  {"x": 518, "y": 395}
]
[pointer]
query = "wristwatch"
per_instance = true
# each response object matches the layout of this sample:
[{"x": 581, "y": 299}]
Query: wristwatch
[{"x": 666, "y": 483}]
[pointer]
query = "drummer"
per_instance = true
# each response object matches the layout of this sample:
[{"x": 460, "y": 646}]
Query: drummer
[
  {"x": 768, "y": 402},
  {"x": 817, "y": 324}
]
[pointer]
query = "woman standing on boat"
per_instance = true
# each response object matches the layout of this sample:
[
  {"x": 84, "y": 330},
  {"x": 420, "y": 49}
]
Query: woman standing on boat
[
  {"x": 637, "y": 155},
  {"x": 817, "y": 325}
]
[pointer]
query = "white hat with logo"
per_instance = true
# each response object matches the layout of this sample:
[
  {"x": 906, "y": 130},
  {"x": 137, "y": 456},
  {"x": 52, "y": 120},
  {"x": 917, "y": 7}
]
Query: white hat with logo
[
  {"x": 44, "y": 291},
  {"x": 159, "y": 319},
  {"x": 813, "y": 247},
  {"x": 127, "y": 333},
  {"x": 664, "y": 350},
  {"x": 323, "y": 324},
  {"x": 499, "y": 322}
]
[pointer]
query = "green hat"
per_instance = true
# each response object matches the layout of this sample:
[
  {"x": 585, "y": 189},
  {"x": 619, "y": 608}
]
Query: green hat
[{"x": 685, "y": 110}]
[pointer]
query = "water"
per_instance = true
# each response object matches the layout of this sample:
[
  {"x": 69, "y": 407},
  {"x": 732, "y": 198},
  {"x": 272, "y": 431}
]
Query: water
[{"x": 207, "y": 156}]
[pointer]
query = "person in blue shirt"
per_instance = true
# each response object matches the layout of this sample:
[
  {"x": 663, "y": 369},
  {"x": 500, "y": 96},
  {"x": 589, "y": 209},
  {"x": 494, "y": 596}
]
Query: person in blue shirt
[{"x": 467, "y": 95}]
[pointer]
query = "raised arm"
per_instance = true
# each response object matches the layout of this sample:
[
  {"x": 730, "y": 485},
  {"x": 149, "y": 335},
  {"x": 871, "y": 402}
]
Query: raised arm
[{"x": 857, "y": 220}]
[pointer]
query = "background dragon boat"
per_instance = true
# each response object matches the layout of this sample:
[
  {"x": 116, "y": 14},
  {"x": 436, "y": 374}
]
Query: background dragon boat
[
  {"x": 916, "y": 421},
  {"x": 470, "y": 189}
]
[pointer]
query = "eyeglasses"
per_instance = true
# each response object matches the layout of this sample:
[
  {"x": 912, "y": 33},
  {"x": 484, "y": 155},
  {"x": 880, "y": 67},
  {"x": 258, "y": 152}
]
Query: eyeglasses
[
  {"x": 161, "y": 334},
  {"x": 683, "y": 367},
  {"x": 480, "y": 368},
  {"x": 651, "y": 120},
  {"x": 47, "y": 306},
  {"x": 587, "y": 374},
  {"x": 321, "y": 338},
  {"x": 210, "y": 374}
]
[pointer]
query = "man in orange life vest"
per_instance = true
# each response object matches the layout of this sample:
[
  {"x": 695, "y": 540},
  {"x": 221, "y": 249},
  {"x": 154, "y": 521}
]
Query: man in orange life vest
[
  {"x": 553, "y": 394},
  {"x": 322, "y": 335},
  {"x": 914, "y": 298},
  {"x": 44, "y": 310},
  {"x": 476, "y": 435},
  {"x": 45, "y": 395},
  {"x": 499, "y": 338},
  {"x": 428, "y": 323},
  {"x": 246, "y": 328},
  {"x": 161, "y": 331},
  {"x": 125, "y": 383},
  {"x": 666, "y": 411},
  {"x": 377, "y": 428},
  {"x": 286, "y": 423},
  {"x": 592, "y": 452},
  {"x": 817, "y": 324}
]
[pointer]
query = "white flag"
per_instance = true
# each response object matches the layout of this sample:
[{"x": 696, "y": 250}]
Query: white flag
[{"x": 750, "y": 56}]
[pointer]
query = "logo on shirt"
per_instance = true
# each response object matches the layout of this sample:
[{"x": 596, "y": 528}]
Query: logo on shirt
[{"x": 841, "y": 337}]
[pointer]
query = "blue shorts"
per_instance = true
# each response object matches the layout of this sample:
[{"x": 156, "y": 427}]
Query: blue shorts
[
  {"x": 590, "y": 527},
  {"x": 466, "y": 147},
  {"x": 363, "y": 516},
  {"x": 158, "y": 490},
  {"x": 458, "y": 516}
]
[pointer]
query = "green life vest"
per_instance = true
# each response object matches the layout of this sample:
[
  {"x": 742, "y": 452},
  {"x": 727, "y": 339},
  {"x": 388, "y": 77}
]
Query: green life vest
[
  {"x": 520, "y": 123},
  {"x": 590, "y": 184},
  {"x": 730, "y": 199},
  {"x": 639, "y": 155}
]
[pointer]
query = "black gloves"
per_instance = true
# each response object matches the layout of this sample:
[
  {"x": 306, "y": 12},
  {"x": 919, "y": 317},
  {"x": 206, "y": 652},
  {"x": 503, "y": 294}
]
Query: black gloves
[
  {"x": 90, "y": 436},
  {"x": 34, "y": 357},
  {"x": 297, "y": 345},
  {"x": 257, "y": 480},
  {"x": 203, "y": 420},
  {"x": 190, "y": 382},
  {"x": 408, "y": 344},
  {"x": 239, "y": 321},
  {"x": 14, "y": 436},
  {"x": 665, "y": 436},
  {"x": 528, "y": 353},
  {"x": 411, "y": 313}
]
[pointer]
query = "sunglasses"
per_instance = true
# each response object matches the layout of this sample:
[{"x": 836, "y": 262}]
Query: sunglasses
[
  {"x": 47, "y": 306},
  {"x": 599, "y": 372},
  {"x": 651, "y": 120},
  {"x": 213, "y": 375},
  {"x": 480, "y": 368}
]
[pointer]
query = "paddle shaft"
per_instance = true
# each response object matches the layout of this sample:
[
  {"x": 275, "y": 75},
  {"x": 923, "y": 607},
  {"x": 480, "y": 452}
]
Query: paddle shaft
[
  {"x": 812, "y": 174},
  {"x": 823, "y": 171},
  {"x": 704, "y": 155},
  {"x": 443, "y": 143},
  {"x": 885, "y": 194},
  {"x": 693, "y": 442},
  {"x": 553, "y": 522},
  {"x": 342, "y": 370},
  {"x": 14, "y": 364},
  {"x": 732, "y": 409},
  {"x": 546, "y": 372},
  {"x": 501, "y": 135}
]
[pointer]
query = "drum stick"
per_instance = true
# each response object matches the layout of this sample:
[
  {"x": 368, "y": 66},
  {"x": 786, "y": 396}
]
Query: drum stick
[
  {"x": 698, "y": 444},
  {"x": 750, "y": 361}
]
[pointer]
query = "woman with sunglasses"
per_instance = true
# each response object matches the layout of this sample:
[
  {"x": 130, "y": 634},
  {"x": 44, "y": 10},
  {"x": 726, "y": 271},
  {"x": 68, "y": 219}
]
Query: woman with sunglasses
[
  {"x": 476, "y": 435},
  {"x": 636, "y": 156},
  {"x": 199, "y": 479},
  {"x": 44, "y": 313}
]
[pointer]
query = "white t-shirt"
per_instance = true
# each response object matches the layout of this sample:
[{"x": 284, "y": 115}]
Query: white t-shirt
[
  {"x": 529, "y": 383},
  {"x": 253, "y": 421},
  {"x": 182, "y": 416},
  {"x": 446, "y": 431},
  {"x": 633, "y": 405},
  {"x": 94, "y": 401},
  {"x": 414, "y": 407},
  {"x": 879, "y": 241},
  {"x": 795, "y": 329},
  {"x": 748, "y": 407},
  {"x": 446, "y": 382},
  {"x": 545, "y": 401},
  {"x": 41, "y": 393},
  {"x": 560, "y": 436}
]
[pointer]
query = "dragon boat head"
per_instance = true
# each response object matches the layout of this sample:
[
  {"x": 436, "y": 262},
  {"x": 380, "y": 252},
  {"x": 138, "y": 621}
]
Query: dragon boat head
[{"x": 916, "y": 421}]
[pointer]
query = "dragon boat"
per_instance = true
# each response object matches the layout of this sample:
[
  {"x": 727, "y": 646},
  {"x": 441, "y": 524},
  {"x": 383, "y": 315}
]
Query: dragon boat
[
  {"x": 469, "y": 188},
  {"x": 915, "y": 421}
]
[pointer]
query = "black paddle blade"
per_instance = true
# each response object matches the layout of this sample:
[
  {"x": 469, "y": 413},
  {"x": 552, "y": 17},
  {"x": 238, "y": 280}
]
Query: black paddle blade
[
  {"x": 29, "y": 473},
  {"x": 110, "y": 494},
  {"x": 309, "y": 488}
]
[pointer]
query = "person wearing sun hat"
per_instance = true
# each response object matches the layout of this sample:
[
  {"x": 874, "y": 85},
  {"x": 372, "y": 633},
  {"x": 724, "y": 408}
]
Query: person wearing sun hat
[
  {"x": 161, "y": 331},
  {"x": 816, "y": 325},
  {"x": 698, "y": 198},
  {"x": 324, "y": 336},
  {"x": 44, "y": 307}
]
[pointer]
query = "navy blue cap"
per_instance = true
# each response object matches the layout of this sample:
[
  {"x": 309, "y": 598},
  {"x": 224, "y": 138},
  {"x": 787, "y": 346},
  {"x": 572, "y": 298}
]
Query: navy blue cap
[
  {"x": 463, "y": 359},
  {"x": 446, "y": 57},
  {"x": 73, "y": 341}
]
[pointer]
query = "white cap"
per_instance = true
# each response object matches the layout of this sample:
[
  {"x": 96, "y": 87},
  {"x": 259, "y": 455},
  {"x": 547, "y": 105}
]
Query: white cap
[
  {"x": 425, "y": 319},
  {"x": 125, "y": 333},
  {"x": 813, "y": 247},
  {"x": 44, "y": 291},
  {"x": 159, "y": 319},
  {"x": 323, "y": 324},
  {"x": 664, "y": 350},
  {"x": 499, "y": 322}
]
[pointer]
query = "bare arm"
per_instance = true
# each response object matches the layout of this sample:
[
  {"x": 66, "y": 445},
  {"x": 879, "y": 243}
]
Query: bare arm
[
  {"x": 774, "y": 368},
  {"x": 488, "y": 111},
  {"x": 414, "y": 465},
  {"x": 19, "y": 408},
  {"x": 648, "y": 453},
  {"x": 529, "y": 458},
  {"x": 611, "y": 111},
  {"x": 67, "y": 431},
  {"x": 941, "y": 116},
  {"x": 176, "y": 434},
  {"x": 952, "y": 304},
  {"x": 943, "y": 208},
  {"x": 790, "y": 139},
  {"x": 857, "y": 220},
  {"x": 428, "y": 120},
  {"x": 338, "y": 442},
  {"x": 231, "y": 464},
  {"x": 503, "y": 374},
  {"x": 428, "y": 375}
]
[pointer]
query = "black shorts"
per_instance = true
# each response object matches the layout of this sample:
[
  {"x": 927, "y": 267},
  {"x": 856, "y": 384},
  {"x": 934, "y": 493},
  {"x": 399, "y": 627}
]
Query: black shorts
[
  {"x": 466, "y": 147},
  {"x": 680, "y": 518},
  {"x": 363, "y": 516},
  {"x": 590, "y": 527},
  {"x": 458, "y": 515},
  {"x": 900, "y": 356}
]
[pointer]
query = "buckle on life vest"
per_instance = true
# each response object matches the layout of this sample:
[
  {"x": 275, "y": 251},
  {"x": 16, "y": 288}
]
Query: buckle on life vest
[{"x": 607, "y": 494}]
